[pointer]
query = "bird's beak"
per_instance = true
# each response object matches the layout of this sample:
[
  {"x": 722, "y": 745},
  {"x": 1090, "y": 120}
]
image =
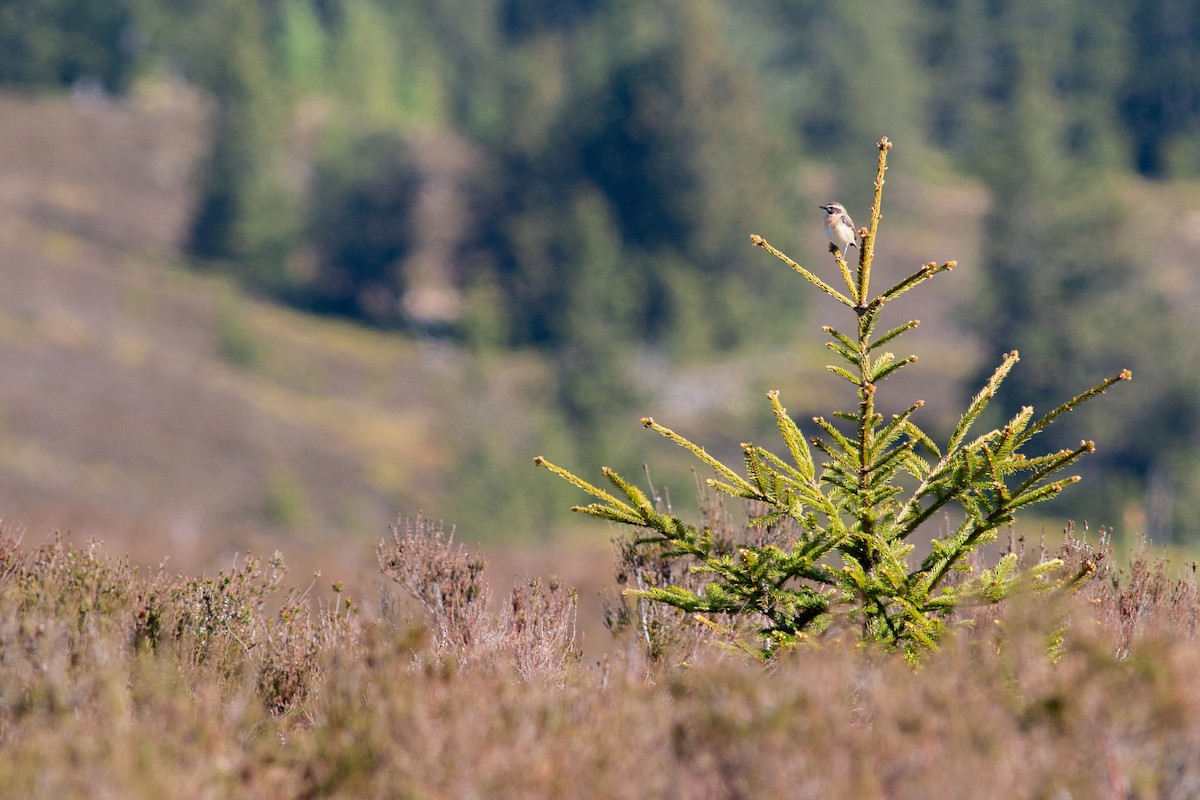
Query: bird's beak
[{"x": 823, "y": 208}]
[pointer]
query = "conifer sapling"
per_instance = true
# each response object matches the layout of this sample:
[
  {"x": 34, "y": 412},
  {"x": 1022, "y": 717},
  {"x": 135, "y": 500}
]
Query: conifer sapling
[{"x": 857, "y": 492}]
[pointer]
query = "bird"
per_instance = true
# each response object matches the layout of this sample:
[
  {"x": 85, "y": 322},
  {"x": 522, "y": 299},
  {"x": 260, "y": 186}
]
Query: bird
[{"x": 839, "y": 228}]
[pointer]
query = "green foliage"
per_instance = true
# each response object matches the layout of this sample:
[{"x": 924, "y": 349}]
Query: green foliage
[
  {"x": 235, "y": 341},
  {"x": 665, "y": 140},
  {"x": 246, "y": 213},
  {"x": 303, "y": 45},
  {"x": 368, "y": 74},
  {"x": 666, "y": 120},
  {"x": 284, "y": 501},
  {"x": 362, "y": 225},
  {"x": 831, "y": 90},
  {"x": 856, "y": 512},
  {"x": 61, "y": 42},
  {"x": 593, "y": 378},
  {"x": 1022, "y": 71},
  {"x": 1162, "y": 86},
  {"x": 1064, "y": 267}
]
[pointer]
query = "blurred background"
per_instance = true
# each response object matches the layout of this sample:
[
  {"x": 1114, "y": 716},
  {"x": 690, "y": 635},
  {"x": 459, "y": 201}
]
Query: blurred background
[{"x": 275, "y": 271}]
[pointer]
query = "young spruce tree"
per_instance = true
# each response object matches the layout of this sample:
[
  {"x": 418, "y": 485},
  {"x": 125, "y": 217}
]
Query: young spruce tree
[{"x": 855, "y": 512}]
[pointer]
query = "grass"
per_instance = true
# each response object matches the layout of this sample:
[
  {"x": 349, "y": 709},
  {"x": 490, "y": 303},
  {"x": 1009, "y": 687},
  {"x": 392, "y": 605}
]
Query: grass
[{"x": 120, "y": 682}]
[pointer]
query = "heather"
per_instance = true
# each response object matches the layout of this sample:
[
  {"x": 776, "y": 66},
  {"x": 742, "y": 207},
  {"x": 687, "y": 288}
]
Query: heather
[{"x": 119, "y": 682}]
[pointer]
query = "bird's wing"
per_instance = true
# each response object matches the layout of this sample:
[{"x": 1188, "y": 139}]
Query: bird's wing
[{"x": 849, "y": 223}]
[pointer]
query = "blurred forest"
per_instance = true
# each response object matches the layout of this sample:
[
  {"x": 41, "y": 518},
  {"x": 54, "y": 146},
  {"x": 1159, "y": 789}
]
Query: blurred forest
[{"x": 578, "y": 178}]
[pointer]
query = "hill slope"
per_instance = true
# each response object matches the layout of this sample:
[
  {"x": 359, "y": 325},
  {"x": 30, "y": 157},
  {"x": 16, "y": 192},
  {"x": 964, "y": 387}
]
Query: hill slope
[
  {"x": 142, "y": 400},
  {"x": 136, "y": 395}
]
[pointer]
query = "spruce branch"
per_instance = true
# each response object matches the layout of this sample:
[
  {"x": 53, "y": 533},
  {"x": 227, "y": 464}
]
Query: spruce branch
[
  {"x": 981, "y": 400},
  {"x": 926, "y": 272},
  {"x": 850, "y": 344},
  {"x": 702, "y": 454},
  {"x": 886, "y": 365},
  {"x": 793, "y": 438},
  {"x": 581, "y": 483},
  {"x": 812, "y": 278},
  {"x": 844, "y": 268},
  {"x": 892, "y": 334},
  {"x": 867, "y": 256},
  {"x": 1077, "y": 400}
]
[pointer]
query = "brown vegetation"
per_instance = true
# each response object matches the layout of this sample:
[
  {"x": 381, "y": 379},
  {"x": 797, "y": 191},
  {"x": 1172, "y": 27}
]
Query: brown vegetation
[{"x": 125, "y": 683}]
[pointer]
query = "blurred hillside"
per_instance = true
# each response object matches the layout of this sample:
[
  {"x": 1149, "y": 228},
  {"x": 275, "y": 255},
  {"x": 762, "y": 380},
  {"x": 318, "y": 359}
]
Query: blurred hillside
[
  {"x": 137, "y": 394},
  {"x": 299, "y": 265},
  {"x": 140, "y": 397}
]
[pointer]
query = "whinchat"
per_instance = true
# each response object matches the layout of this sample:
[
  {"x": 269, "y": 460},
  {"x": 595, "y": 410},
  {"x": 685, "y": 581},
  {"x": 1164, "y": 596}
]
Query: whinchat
[{"x": 839, "y": 228}]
